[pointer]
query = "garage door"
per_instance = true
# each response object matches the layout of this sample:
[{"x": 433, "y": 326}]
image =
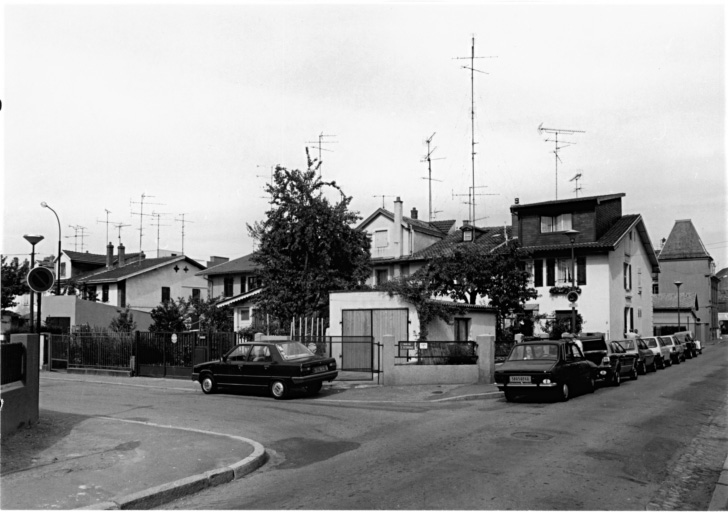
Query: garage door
[{"x": 370, "y": 322}]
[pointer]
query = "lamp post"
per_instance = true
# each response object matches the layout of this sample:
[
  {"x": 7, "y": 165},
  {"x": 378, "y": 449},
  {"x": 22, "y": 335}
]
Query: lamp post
[
  {"x": 572, "y": 233},
  {"x": 33, "y": 239},
  {"x": 58, "y": 276},
  {"x": 678, "y": 284}
]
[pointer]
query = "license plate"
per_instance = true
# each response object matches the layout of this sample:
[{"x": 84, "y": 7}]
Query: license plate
[
  {"x": 319, "y": 369},
  {"x": 520, "y": 379}
]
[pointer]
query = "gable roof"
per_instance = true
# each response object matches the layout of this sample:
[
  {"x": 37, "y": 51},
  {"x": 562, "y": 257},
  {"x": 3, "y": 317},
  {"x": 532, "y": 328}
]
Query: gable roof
[
  {"x": 236, "y": 266},
  {"x": 435, "y": 228},
  {"x": 133, "y": 269},
  {"x": 683, "y": 242},
  {"x": 688, "y": 300}
]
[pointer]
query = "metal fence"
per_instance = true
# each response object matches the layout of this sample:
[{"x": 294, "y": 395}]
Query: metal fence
[
  {"x": 162, "y": 354},
  {"x": 12, "y": 359},
  {"x": 357, "y": 357},
  {"x": 436, "y": 353}
]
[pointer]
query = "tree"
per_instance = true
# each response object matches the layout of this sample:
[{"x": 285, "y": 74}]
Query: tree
[
  {"x": 169, "y": 316},
  {"x": 207, "y": 316},
  {"x": 558, "y": 326},
  {"x": 124, "y": 322},
  {"x": 307, "y": 245},
  {"x": 472, "y": 270},
  {"x": 13, "y": 280}
]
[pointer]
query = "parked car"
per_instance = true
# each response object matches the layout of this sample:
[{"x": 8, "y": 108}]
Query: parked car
[
  {"x": 676, "y": 350},
  {"x": 645, "y": 356},
  {"x": 555, "y": 367},
  {"x": 662, "y": 352},
  {"x": 279, "y": 366},
  {"x": 613, "y": 362},
  {"x": 686, "y": 339}
]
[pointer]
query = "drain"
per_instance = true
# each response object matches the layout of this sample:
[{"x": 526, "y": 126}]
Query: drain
[{"x": 532, "y": 436}]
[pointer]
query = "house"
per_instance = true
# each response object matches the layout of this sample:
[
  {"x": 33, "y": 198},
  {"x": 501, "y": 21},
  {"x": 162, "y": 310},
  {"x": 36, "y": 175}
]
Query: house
[
  {"x": 673, "y": 314},
  {"x": 612, "y": 266},
  {"x": 234, "y": 281},
  {"x": 396, "y": 239},
  {"x": 684, "y": 259},
  {"x": 143, "y": 283}
]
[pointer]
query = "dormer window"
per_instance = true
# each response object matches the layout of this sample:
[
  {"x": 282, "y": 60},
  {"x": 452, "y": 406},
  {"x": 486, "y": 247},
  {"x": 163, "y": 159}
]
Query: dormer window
[
  {"x": 556, "y": 223},
  {"x": 468, "y": 235}
]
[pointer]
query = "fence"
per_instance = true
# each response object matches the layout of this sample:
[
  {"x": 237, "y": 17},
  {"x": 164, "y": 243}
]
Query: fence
[
  {"x": 12, "y": 358},
  {"x": 358, "y": 357},
  {"x": 436, "y": 353},
  {"x": 166, "y": 354}
]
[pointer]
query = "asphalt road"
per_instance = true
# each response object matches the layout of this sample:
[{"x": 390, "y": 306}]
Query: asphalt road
[{"x": 657, "y": 443}]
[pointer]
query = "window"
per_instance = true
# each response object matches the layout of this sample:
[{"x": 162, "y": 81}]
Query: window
[
  {"x": 195, "y": 293},
  {"x": 381, "y": 238},
  {"x": 121, "y": 293},
  {"x": 627, "y": 276},
  {"x": 655, "y": 288},
  {"x": 628, "y": 320},
  {"x": 550, "y": 272},
  {"x": 404, "y": 269},
  {"x": 239, "y": 354},
  {"x": 564, "y": 271},
  {"x": 382, "y": 275},
  {"x": 92, "y": 294},
  {"x": 462, "y": 329},
  {"x": 537, "y": 273},
  {"x": 468, "y": 235},
  {"x": 244, "y": 314},
  {"x": 228, "y": 287},
  {"x": 165, "y": 293},
  {"x": 260, "y": 354},
  {"x": 581, "y": 270},
  {"x": 254, "y": 283},
  {"x": 105, "y": 293},
  {"x": 63, "y": 269},
  {"x": 556, "y": 223}
]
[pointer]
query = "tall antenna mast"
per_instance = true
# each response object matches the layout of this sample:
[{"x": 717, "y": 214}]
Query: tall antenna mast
[
  {"x": 107, "y": 225},
  {"x": 156, "y": 221},
  {"x": 320, "y": 149},
  {"x": 141, "y": 219},
  {"x": 119, "y": 226},
  {"x": 472, "y": 116},
  {"x": 75, "y": 236},
  {"x": 555, "y": 140},
  {"x": 576, "y": 178},
  {"x": 429, "y": 178},
  {"x": 183, "y": 221}
]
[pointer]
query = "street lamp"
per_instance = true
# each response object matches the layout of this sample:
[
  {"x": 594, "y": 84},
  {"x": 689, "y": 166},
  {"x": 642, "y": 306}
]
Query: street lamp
[
  {"x": 33, "y": 239},
  {"x": 678, "y": 284},
  {"x": 572, "y": 233},
  {"x": 58, "y": 276}
]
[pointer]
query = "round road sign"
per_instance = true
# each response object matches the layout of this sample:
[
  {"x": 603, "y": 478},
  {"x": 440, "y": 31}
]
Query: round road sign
[
  {"x": 572, "y": 296},
  {"x": 41, "y": 279}
]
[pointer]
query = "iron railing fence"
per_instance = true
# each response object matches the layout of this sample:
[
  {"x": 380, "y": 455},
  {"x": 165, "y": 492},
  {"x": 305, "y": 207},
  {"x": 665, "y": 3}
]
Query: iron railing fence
[
  {"x": 107, "y": 351},
  {"x": 436, "y": 353},
  {"x": 176, "y": 349},
  {"x": 12, "y": 359}
]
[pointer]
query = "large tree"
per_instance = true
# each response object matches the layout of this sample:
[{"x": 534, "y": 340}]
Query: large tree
[
  {"x": 13, "y": 280},
  {"x": 473, "y": 271},
  {"x": 307, "y": 245}
]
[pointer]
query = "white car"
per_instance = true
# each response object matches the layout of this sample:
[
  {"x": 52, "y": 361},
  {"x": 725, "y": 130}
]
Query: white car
[{"x": 662, "y": 353}]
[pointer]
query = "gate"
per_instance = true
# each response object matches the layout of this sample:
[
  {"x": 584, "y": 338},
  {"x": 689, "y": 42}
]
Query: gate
[
  {"x": 357, "y": 357},
  {"x": 59, "y": 351}
]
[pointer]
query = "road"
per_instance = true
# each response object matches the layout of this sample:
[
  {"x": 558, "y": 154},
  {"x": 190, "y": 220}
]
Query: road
[{"x": 655, "y": 443}]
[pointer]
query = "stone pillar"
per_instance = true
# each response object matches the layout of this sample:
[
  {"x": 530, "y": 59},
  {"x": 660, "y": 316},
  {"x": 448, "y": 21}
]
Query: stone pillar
[
  {"x": 388, "y": 353},
  {"x": 20, "y": 399},
  {"x": 486, "y": 358}
]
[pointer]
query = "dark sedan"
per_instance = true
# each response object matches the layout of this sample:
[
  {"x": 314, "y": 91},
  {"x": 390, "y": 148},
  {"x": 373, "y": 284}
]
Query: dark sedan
[
  {"x": 279, "y": 366},
  {"x": 555, "y": 367}
]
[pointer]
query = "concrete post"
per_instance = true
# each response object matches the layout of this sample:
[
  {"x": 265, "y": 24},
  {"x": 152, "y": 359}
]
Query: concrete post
[
  {"x": 486, "y": 358},
  {"x": 20, "y": 399},
  {"x": 388, "y": 353}
]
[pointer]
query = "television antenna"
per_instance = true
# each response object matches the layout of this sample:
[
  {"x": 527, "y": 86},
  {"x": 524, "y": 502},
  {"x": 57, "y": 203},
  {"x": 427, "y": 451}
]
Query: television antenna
[
  {"x": 576, "y": 178},
  {"x": 76, "y": 236},
  {"x": 270, "y": 180},
  {"x": 320, "y": 149},
  {"x": 471, "y": 197},
  {"x": 472, "y": 115},
  {"x": 428, "y": 158},
  {"x": 119, "y": 226},
  {"x": 141, "y": 219},
  {"x": 183, "y": 221},
  {"x": 382, "y": 196},
  {"x": 107, "y": 224},
  {"x": 555, "y": 140},
  {"x": 156, "y": 221}
]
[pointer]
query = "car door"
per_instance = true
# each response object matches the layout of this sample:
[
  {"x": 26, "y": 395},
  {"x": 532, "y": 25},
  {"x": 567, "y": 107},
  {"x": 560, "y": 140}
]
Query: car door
[
  {"x": 230, "y": 370},
  {"x": 258, "y": 367},
  {"x": 582, "y": 368}
]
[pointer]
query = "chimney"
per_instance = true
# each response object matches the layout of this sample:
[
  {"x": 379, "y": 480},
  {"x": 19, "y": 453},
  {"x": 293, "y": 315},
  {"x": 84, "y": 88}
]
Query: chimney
[
  {"x": 109, "y": 255},
  {"x": 413, "y": 214},
  {"x": 466, "y": 222},
  {"x": 398, "y": 228},
  {"x": 122, "y": 255}
]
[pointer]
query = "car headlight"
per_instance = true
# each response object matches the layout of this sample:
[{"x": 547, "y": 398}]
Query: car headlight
[{"x": 546, "y": 381}]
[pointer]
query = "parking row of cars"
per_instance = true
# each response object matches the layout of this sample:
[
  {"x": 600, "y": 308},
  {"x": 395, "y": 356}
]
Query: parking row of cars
[{"x": 560, "y": 367}]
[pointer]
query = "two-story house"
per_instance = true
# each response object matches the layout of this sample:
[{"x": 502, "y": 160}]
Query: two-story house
[
  {"x": 684, "y": 259},
  {"x": 613, "y": 262},
  {"x": 236, "y": 283},
  {"x": 396, "y": 239}
]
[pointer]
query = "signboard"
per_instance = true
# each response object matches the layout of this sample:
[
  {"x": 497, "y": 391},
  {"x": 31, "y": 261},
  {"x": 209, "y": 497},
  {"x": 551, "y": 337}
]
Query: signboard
[
  {"x": 572, "y": 296},
  {"x": 41, "y": 279},
  {"x": 409, "y": 345},
  {"x": 423, "y": 346},
  {"x": 174, "y": 338}
]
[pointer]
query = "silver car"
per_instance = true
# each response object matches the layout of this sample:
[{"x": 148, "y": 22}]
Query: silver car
[{"x": 662, "y": 352}]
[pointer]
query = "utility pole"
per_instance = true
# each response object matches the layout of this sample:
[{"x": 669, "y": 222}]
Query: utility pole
[
  {"x": 141, "y": 219},
  {"x": 428, "y": 158},
  {"x": 555, "y": 140},
  {"x": 183, "y": 221},
  {"x": 472, "y": 115}
]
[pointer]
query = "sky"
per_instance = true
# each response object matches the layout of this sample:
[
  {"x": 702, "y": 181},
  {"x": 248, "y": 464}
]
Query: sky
[{"x": 188, "y": 107}]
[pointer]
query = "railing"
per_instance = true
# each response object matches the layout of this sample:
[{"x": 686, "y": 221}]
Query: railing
[
  {"x": 12, "y": 357},
  {"x": 108, "y": 351},
  {"x": 436, "y": 353}
]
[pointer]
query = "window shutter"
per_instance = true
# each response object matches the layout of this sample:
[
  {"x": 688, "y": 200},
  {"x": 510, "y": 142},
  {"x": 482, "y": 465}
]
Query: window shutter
[
  {"x": 537, "y": 273},
  {"x": 550, "y": 272},
  {"x": 581, "y": 271}
]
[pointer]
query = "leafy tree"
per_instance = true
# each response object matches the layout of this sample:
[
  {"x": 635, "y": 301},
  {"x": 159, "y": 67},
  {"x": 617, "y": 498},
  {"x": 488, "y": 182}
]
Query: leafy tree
[
  {"x": 307, "y": 246},
  {"x": 13, "y": 280},
  {"x": 207, "y": 316},
  {"x": 417, "y": 292},
  {"x": 472, "y": 270},
  {"x": 169, "y": 316},
  {"x": 124, "y": 322}
]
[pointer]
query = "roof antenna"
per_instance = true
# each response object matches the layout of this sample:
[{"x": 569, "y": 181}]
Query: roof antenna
[
  {"x": 576, "y": 178},
  {"x": 141, "y": 219},
  {"x": 320, "y": 149},
  {"x": 555, "y": 140},
  {"x": 183, "y": 221},
  {"x": 428, "y": 158},
  {"x": 383, "y": 196}
]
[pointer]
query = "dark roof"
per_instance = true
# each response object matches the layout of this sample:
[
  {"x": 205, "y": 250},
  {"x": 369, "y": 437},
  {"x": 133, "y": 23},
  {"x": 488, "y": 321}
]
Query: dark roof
[
  {"x": 722, "y": 274},
  {"x": 443, "y": 225},
  {"x": 97, "y": 259},
  {"x": 489, "y": 237},
  {"x": 683, "y": 242},
  {"x": 435, "y": 228},
  {"x": 588, "y": 199},
  {"x": 236, "y": 266},
  {"x": 131, "y": 269},
  {"x": 688, "y": 300}
]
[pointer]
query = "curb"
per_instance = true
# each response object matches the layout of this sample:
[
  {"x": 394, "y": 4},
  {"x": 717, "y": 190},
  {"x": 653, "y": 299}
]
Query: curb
[
  {"x": 719, "y": 501},
  {"x": 155, "y": 496}
]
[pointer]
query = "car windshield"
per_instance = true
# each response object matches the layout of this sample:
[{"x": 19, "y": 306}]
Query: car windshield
[
  {"x": 524, "y": 352},
  {"x": 627, "y": 344},
  {"x": 651, "y": 342},
  {"x": 293, "y": 350},
  {"x": 591, "y": 345}
]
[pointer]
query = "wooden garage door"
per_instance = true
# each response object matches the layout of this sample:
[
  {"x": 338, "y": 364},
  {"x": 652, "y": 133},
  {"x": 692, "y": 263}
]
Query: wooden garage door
[{"x": 370, "y": 322}]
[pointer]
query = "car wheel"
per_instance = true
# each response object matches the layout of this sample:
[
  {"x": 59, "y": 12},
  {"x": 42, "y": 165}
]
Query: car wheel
[
  {"x": 592, "y": 386},
  {"x": 313, "y": 389},
  {"x": 617, "y": 378},
  {"x": 642, "y": 368},
  {"x": 633, "y": 374},
  {"x": 510, "y": 396},
  {"x": 654, "y": 366},
  {"x": 278, "y": 389},
  {"x": 564, "y": 392},
  {"x": 677, "y": 360},
  {"x": 208, "y": 384}
]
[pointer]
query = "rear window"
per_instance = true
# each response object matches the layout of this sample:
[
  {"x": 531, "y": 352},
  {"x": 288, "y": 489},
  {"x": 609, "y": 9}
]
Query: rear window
[
  {"x": 592, "y": 345},
  {"x": 522, "y": 352},
  {"x": 627, "y": 344},
  {"x": 651, "y": 342}
]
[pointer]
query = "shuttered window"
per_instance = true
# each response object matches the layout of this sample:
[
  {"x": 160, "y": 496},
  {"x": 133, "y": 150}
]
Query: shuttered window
[{"x": 581, "y": 271}]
